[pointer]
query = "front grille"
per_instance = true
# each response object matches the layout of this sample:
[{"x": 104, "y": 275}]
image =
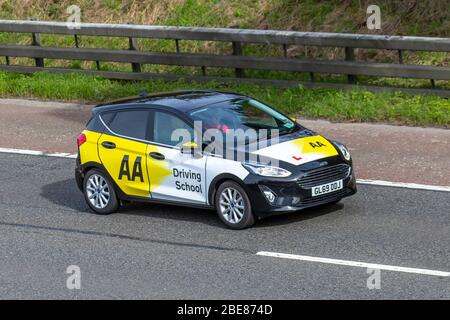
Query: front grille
[{"x": 324, "y": 175}]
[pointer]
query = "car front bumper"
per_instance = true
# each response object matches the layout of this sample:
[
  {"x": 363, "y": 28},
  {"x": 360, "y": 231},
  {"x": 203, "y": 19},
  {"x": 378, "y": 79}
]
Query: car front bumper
[{"x": 293, "y": 195}]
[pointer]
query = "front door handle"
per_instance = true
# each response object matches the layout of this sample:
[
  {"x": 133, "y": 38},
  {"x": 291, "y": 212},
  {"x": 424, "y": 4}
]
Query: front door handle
[
  {"x": 109, "y": 145},
  {"x": 157, "y": 156}
]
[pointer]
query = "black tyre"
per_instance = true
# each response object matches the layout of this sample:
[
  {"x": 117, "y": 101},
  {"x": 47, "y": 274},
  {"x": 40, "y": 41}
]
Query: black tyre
[
  {"x": 99, "y": 192},
  {"x": 233, "y": 206}
]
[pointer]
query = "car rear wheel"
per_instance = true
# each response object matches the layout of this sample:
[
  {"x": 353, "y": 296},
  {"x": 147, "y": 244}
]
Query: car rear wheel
[
  {"x": 233, "y": 206},
  {"x": 99, "y": 192}
]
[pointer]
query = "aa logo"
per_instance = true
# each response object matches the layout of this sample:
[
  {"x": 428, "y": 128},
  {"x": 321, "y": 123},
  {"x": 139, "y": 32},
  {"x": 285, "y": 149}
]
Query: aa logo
[
  {"x": 317, "y": 144},
  {"x": 125, "y": 169}
]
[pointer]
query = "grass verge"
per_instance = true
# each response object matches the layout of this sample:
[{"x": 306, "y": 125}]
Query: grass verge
[{"x": 335, "y": 105}]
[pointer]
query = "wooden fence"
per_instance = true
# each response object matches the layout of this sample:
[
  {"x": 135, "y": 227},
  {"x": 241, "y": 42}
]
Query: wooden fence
[{"x": 237, "y": 61}]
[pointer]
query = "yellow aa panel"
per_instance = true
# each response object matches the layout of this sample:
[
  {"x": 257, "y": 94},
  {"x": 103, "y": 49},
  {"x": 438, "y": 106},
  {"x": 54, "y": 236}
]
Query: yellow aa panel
[
  {"x": 126, "y": 164},
  {"x": 158, "y": 170},
  {"x": 317, "y": 145},
  {"x": 88, "y": 150}
]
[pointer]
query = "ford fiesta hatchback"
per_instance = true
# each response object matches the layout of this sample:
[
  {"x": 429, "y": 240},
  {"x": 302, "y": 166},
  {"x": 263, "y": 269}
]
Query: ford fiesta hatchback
[{"x": 208, "y": 149}]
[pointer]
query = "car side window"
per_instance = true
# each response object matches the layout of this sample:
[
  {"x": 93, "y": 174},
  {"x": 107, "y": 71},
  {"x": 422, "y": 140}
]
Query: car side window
[
  {"x": 165, "y": 124},
  {"x": 131, "y": 123}
]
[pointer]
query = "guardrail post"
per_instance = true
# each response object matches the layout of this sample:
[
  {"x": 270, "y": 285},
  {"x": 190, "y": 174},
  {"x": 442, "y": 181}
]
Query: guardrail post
[
  {"x": 237, "y": 51},
  {"x": 433, "y": 83},
  {"x": 177, "y": 45},
  {"x": 400, "y": 56},
  {"x": 76, "y": 41},
  {"x": 36, "y": 41},
  {"x": 350, "y": 56},
  {"x": 285, "y": 50},
  {"x": 7, "y": 60},
  {"x": 133, "y": 45}
]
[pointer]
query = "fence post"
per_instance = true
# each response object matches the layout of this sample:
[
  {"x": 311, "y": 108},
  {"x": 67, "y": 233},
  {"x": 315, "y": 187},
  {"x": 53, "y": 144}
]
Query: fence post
[
  {"x": 237, "y": 51},
  {"x": 285, "y": 50},
  {"x": 400, "y": 56},
  {"x": 133, "y": 45},
  {"x": 36, "y": 41},
  {"x": 350, "y": 56}
]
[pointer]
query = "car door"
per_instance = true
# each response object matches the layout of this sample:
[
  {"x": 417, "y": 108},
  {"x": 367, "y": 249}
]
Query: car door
[
  {"x": 123, "y": 150},
  {"x": 174, "y": 175}
]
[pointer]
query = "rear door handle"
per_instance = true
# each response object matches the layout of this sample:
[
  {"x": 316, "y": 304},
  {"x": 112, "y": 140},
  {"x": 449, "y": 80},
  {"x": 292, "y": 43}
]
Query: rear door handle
[
  {"x": 157, "y": 156},
  {"x": 109, "y": 145}
]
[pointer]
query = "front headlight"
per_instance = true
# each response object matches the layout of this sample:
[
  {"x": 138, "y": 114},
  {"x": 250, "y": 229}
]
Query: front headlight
[
  {"x": 344, "y": 151},
  {"x": 266, "y": 171}
]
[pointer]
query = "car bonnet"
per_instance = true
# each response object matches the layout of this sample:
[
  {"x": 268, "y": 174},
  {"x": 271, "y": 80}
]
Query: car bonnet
[{"x": 298, "y": 151}]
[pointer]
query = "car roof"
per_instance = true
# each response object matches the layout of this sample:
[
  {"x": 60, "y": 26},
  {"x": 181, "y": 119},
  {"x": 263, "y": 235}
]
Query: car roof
[{"x": 183, "y": 101}]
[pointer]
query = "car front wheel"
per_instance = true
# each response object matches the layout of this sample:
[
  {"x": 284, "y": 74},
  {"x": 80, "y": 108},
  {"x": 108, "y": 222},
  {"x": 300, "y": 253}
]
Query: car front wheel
[
  {"x": 99, "y": 192},
  {"x": 233, "y": 206}
]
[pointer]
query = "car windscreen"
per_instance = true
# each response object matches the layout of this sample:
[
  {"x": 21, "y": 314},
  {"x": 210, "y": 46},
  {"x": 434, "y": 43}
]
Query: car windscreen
[{"x": 243, "y": 113}]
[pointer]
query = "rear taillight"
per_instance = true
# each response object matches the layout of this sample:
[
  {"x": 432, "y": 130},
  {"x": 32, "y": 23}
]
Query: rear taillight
[{"x": 81, "y": 139}]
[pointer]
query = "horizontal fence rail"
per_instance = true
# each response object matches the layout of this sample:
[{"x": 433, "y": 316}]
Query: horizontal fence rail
[
  {"x": 236, "y": 61},
  {"x": 326, "y": 39}
]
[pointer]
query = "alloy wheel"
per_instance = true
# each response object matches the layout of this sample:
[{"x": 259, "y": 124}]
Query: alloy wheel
[
  {"x": 232, "y": 205},
  {"x": 97, "y": 190}
]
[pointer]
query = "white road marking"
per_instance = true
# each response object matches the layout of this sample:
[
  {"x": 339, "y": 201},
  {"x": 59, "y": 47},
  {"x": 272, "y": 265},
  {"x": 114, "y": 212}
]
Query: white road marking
[
  {"x": 403, "y": 185},
  {"x": 38, "y": 153},
  {"x": 359, "y": 181},
  {"x": 354, "y": 264}
]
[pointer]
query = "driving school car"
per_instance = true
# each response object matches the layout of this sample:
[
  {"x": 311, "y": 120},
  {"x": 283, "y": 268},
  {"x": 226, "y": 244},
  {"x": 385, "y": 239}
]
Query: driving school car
[{"x": 158, "y": 148}]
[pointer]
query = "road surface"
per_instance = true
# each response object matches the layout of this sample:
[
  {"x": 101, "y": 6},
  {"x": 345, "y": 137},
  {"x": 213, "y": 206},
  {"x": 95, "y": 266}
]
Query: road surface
[{"x": 157, "y": 251}]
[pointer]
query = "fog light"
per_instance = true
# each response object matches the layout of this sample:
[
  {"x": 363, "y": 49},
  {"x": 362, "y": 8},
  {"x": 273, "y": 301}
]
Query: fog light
[{"x": 269, "y": 194}]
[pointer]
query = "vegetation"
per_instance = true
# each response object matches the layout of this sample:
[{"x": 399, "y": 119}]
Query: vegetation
[
  {"x": 319, "y": 103},
  {"x": 415, "y": 17}
]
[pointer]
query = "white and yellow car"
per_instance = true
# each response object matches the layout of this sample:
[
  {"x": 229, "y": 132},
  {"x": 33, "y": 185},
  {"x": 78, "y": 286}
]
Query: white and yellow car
[{"x": 132, "y": 150}]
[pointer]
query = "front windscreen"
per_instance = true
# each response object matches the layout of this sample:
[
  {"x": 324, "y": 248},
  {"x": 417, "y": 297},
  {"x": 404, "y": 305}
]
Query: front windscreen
[{"x": 243, "y": 114}]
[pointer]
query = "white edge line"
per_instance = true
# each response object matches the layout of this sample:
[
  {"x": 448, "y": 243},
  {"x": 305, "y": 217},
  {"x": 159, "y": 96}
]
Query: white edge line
[
  {"x": 38, "y": 153},
  {"x": 354, "y": 263},
  {"x": 403, "y": 185},
  {"x": 360, "y": 181}
]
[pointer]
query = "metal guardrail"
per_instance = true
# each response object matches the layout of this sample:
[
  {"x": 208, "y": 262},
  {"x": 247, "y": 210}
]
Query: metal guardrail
[{"x": 237, "y": 61}]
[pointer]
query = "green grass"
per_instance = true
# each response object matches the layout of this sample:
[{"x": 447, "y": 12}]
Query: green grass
[
  {"x": 354, "y": 106},
  {"x": 425, "y": 18},
  {"x": 422, "y": 18}
]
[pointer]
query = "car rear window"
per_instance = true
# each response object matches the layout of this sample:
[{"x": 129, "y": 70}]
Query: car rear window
[{"x": 131, "y": 123}]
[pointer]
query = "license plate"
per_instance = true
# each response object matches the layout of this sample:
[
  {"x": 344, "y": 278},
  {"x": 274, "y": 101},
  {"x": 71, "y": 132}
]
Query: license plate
[{"x": 327, "y": 188}]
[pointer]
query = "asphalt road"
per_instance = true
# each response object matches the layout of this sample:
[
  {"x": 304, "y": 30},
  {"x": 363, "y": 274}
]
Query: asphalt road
[{"x": 157, "y": 251}]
